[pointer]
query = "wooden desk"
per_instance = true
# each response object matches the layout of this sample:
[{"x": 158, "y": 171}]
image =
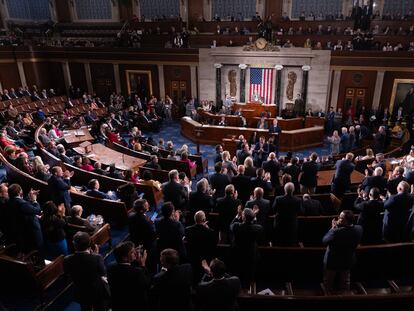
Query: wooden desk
[
  {"x": 257, "y": 107},
  {"x": 76, "y": 137},
  {"x": 211, "y": 135},
  {"x": 325, "y": 178},
  {"x": 314, "y": 121},
  {"x": 107, "y": 156}
]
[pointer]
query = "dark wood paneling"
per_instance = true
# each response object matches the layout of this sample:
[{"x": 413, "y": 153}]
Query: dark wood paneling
[
  {"x": 9, "y": 75},
  {"x": 154, "y": 76},
  {"x": 195, "y": 10},
  {"x": 63, "y": 11},
  {"x": 389, "y": 83},
  {"x": 125, "y": 10},
  {"x": 367, "y": 82},
  {"x": 103, "y": 79},
  {"x": 78, "y": 76},
  {"x": 45, "y": 75},
  {"x": 274, "y": 9},
  {"x": 177, "y": 73},
  {"x": 374, "y": 58}
]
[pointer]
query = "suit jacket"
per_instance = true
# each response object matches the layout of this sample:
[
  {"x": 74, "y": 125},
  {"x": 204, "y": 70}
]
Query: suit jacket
[
  {"x": 393, "y": 183},
  {"x": 59, "y": 189},
  {"x": 294, "y": 171},
  {"x": 311, "y": 207},
  {"x": 98, "y": 194},
  {"x": 344, "y": 169},
  {"x": 286, "y": 209},
  {"x": 374, "y": 181},
  {"x": 370, "y": 220},
  {"x": 262, "y": 217},
  {"x": 247, "y": 237},
  {"x": 141, "y": 230},
  {"x": 379, "y": 142},
  {"x": 242, "y": 185},
  {"x": 170, "y": 235},
  {"x": 226, "y": 207},
  {"x": 259, "y": 182},
  {"x": 86, "y": 271},
  {"x": 171, "y": 290},
  {"x": 275, "y": 131},
  {"x": 200, "y": 201},
  {"x": 396, "y": 215},
  {"x": 309, "y": 176},
  {"x": 344, "y": 143},
  {"x": 219, "y": 294},
  {"x": 129, "y": 282},
  {"x": 219, "y": 182},
  {"x": 272, "y": 167},
  {"x": 341, "y": 242},
  {"x": 175, "y": 193}
]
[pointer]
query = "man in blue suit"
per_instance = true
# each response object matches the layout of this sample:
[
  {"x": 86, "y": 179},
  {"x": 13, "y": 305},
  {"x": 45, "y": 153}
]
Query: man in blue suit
[
  {"x": 344, "y": 142},
  {"x": 396, "y": 215},
  {"x": 342, "y": 178},
  {"x": 341, "y": 240},
  {"x": 59, "y": 186}
]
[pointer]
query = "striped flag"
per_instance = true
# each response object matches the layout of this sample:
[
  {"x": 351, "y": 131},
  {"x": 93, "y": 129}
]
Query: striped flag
[{"x": 261, "y": 83}]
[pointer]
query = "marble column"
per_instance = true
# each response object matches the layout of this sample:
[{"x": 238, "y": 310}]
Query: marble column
[
  {"x": 161, "y": 80},
  {"x": 66, "y": 75},
  {"x": 88, "y": 76},
  {"x": 22, "y": 75},
  {"x": 305, "y": 79},
  {"x": 218, "y": 83},
  {"x": 278, "y": 88},
  {"x": 242, "y": 82},
  {"x": 335, "y": 88},
  {"x": 378, "y": 88},
  {"x": 117, "y": 78}
]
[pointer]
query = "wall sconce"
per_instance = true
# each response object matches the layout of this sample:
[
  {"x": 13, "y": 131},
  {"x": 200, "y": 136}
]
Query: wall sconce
[
  {"x": 278, "y": 67},
  {"x": 217, "y": 65},
  {"x": 306, "y": 67},
  {"x": 242, "y": 66}
]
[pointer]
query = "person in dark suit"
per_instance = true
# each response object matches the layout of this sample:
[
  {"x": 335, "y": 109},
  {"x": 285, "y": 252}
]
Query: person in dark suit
[
  {"x": 171, "y": 287},
  {"x": 247, "y": 237},
  {"x": 201, "y": 198},
  {"x": 218, "y": 290},
  {"x": 25, "y": 228},
  {"x": 397, "y": 212},
  {"x": 261, "y": 151},
  {"x": 218, "y": 181},
  {"x": 98, "y": 169},
  {"x": 394, "y": 179},
  {"x": 344, "y": 142},
  {"x": 170, "y": 231},
  {"x": 94, "y": 191},
  {"x": 141, "y": 229},
  {"x": 128, "y": 279},
  {"x": 201, "y": 244},
  {"x": 262, "y": 180},
  {"x": 75, "y": 218},
  {"x": 262, "y": 216},
  {"x": 330, "y": 121},
  {"x": 174, "y": 192},
  {"x": 219, "y": 151},
  {"x": 380, "y": 140},
  {"x": 275, "y": 131},
  {"x": 86, "y": 269},
  {"x": 375, "y": 181},
  {"x": 272, "y": 166},
  {"x": 342, "y": 179},
  {"x": 241, "y": 183},
  {"x": 311, "y": 207},
  {"x": 226, "y": 207},
  {"x": 59, "y": 186},
  {"x": 370, "y": 218},
  {"x": 153, "y": 163},
  {"x": 286, "y": 208},
  {"x": 243, "y": 153},
  {"x": 293, "y": 170},
  {"x": 309, "y": 176},
  {"x": 114, "y": 173},
  {"x": 341, "y": 240}
]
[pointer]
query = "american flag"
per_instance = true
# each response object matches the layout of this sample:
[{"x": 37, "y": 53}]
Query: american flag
[{"x": 261, "y": 83}]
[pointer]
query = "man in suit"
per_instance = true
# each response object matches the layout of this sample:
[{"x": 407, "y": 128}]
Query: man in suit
[
  {"x": 59, "y": 186},
  {"x": 97, "y": 169},
  {"x": 262, "y": 216},
  {"x": 275, "y": 131},
  {"x": 379, "y": 140},
  {"x": 397, "y": 212},
  {"x": 241, "y": 183},
  {"x": 293, "y": 170},
  {"x": 261, "y": 180},
  {"x": 171, "y": 287},
  {"x": 243, "y": 153},
  {"x": 217, "y": 290},
  {"x": 219, "y": 151},
  {"x": 201, "y": 198},
  {"x": 286, "y": 209},
  {"x": 341, "y": 240},
  {"x": 86, "y": 269},
  {"x": 342, "y": 179},
  {"x": 311, "y": 207},
  {"x": 344, "y": 142},
  {"x": 218, "y": 181},
  {"x": 394, "y": 179},
  {"x": 272, "y": 166},
  {"x": 153, "y": 163},
  {"x": 226, "y": 207},
  {"x": 75, "y": 218},
  {"x": 370, "y": 218},
  {"x": 170, "y": 231},
  {"x": 374, "y": 181},
  {"x": 128, "y": 279},
  {"x": 261, "y": 151},
  {"x": 94, "y": 191},
  {"x": 174, "y": 192},
  {"x": 141, "y": 229},
  {"x": 201, "y": 244},
  {"x": 247, "y": 237},
  {"x": 23, "y": 217},
  {"x": 330, "y": 121},
  {"x": 309, "y": 176}
]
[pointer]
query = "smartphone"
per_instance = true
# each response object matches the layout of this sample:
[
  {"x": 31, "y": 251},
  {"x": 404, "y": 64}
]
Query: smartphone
[{"x": 154, "y": 216}]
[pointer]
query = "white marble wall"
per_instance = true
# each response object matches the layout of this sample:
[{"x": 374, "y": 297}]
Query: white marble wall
[{"x": 291, "y": 59}]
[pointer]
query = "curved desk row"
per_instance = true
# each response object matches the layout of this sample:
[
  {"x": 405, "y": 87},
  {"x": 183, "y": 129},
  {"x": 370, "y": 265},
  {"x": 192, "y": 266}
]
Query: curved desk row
[{"x": 289, "y": 140}]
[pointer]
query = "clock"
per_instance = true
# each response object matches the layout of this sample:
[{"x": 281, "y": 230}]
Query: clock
[{"x": 260, "y": 43}]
